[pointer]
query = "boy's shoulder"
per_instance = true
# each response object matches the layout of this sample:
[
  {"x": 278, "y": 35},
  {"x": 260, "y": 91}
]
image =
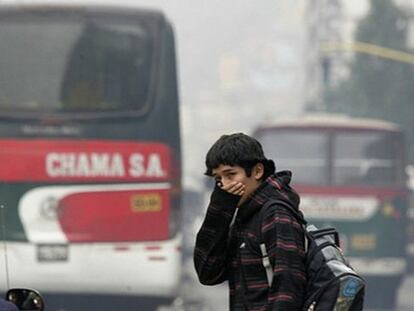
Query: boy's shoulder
[{"x": 282, "y": 207}]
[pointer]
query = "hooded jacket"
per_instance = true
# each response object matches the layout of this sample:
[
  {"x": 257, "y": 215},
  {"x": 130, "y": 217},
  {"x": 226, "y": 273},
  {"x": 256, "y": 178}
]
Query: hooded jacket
[{"x": 228, "y": 247}]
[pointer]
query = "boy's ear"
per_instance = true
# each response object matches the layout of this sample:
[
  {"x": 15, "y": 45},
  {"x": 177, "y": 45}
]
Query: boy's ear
[{"x": 258, "y": 171}]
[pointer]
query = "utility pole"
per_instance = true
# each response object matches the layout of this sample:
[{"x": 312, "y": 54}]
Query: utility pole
[{"x": 324, "y": 23}]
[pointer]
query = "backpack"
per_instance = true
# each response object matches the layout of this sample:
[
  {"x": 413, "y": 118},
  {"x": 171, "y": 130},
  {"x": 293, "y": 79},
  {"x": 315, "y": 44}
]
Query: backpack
[{"x": 332, "y": 284}]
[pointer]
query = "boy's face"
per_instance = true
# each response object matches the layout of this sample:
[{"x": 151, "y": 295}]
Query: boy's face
[{"x": 233, "y": 179}]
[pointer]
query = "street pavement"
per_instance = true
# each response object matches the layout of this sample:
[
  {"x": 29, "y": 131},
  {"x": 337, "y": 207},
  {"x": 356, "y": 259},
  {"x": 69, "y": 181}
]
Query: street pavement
[{"x": 405, "y": 295}]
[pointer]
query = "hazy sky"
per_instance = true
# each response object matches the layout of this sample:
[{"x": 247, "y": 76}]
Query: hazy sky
[
  {"x": 262, "y": 40},
  {"x": 259, "y": 44}
]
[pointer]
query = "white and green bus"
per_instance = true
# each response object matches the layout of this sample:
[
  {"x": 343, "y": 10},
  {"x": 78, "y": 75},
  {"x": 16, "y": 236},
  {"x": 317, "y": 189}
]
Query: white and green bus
[
  {"x": 90, "y": 173},
  {"x": 350, "y": 174}
]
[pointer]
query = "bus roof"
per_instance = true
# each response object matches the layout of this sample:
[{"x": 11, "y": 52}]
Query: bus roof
[
  {"x": 331, "y": 121},
  {"x": 79, "y": 4}
]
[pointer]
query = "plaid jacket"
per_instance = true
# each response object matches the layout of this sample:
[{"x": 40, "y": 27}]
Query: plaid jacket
[{"x": 225, "y": 252}]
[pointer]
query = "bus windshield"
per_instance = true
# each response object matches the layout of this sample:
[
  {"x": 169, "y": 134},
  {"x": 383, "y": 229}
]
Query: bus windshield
[
  {"x": 74, "y": 65},
  {"x": 370, "y": 158},
  {"x": 304, "y": 153},
  {"x": 339, "y": 157}
]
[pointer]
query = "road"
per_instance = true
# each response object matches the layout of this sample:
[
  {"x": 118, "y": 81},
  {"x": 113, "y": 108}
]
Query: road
[{"x": 405, "y": 295}]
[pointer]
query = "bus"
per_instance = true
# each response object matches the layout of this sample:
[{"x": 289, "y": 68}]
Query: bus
[
  {"x": 350, "y": 174},
  {"x": 90, "y": 172},
  {"x": 410, "y": 219}
]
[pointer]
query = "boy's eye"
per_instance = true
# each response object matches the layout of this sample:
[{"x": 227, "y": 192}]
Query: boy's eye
[{"x": 219, "y": 183}]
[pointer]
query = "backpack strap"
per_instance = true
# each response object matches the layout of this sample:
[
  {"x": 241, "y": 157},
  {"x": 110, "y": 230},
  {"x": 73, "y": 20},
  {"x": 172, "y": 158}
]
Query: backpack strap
[
  {"x": 265, "y": 256},
  {"x": 266, "y": 264}
]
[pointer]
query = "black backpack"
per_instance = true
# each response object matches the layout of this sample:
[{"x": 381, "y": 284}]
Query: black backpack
[{"x": 332, "y": 284}]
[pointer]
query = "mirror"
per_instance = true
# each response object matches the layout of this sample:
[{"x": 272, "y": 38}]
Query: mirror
[{"x": 25, "y": 299}]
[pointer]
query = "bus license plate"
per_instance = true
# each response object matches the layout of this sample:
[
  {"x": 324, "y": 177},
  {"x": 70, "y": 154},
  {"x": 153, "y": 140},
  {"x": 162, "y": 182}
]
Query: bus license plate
[{"x": 52, "y": 252}]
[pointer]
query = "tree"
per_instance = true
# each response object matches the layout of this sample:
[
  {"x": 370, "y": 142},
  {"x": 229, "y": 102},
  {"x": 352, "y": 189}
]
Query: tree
[{"x": 378, "y": 87}]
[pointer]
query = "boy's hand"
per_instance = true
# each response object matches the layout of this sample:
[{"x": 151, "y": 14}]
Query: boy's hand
[{"x": 234, "y": 187}]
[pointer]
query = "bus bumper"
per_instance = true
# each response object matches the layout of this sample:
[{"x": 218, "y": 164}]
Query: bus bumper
[{"x": 141, "y": 269}]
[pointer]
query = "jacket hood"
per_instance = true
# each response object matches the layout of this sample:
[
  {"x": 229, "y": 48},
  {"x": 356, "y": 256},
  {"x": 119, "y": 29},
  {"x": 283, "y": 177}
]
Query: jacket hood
[{"x": 284, "y": 178}]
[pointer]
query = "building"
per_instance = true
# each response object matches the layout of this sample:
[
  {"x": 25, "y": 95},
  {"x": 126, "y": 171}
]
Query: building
[{"x": 330, "y": 27}]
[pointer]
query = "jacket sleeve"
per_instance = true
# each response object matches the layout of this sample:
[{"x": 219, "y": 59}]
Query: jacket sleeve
[
  {"x": 210, "y": 252},
  {"x": 283, "y": 236}
]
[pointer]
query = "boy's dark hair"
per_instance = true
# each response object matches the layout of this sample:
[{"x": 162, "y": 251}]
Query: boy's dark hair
[{"x": 238, "y": 150}]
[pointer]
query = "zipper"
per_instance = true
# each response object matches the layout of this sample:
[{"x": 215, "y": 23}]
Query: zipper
[{"x": 242, "y": 280}]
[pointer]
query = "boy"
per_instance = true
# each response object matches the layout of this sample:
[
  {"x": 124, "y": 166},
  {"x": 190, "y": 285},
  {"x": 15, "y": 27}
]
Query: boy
[{"x": 228, "y": 243}]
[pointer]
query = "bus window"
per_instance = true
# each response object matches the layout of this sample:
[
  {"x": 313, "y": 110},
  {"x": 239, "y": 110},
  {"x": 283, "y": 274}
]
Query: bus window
[
  {"x": 305, "y": 153},
  {"x": 370, "y": 158},
  {"x": 72, "y": 65},
  {"x": 108, "y": 68}
]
